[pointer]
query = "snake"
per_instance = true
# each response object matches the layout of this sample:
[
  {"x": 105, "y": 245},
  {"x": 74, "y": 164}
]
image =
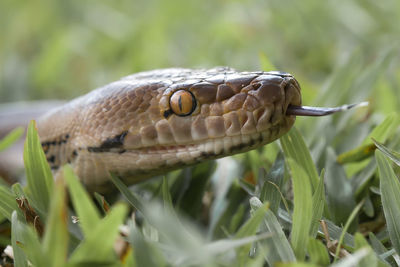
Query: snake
[{"x": 156, "y": 121}]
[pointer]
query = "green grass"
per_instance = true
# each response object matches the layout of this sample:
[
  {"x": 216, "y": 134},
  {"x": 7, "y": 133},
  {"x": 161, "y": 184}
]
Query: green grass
[
  {"x": 253, "y": 209},
  {"x": 161, "y": 234}
]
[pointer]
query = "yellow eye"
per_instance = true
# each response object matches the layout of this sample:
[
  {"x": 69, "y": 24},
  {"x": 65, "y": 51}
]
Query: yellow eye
[{"x": 182, "y": 103}]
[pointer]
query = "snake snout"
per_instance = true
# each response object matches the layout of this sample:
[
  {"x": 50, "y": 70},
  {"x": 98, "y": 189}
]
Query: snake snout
[
  {"x": 276, "y": 91},
  {"x": 292, "y": 93}
]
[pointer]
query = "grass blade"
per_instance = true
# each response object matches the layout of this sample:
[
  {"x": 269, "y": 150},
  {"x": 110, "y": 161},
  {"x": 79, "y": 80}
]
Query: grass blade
[
  {"x": 318, "y": 203},
  {"x": 390, "y": 188},
  {"x": 393, "y": 155},
  {"x": 33, "y": 248},
  {"x": 7, "y": 202},
  {"x": 339, "y": 190},
  {"x": 250, "y": 228},
  {"x": 346, "y": 227},
  {"x": 271, "y": 189},
  {"x": 16, "y": 238},
  {"x": 317, "y": 252},
  {"x": 166, "y": 195},
  {"x": 381, "y": 133},
  {"x": 38, "y": 173},
  {"x": 353, "y": 259},
  {"x": 132, "y": 199},
  {"x": 335, "y": 232},
  {"x": 102, "y": 238},
  {"x": 252, "y": 225},
  {"x": 384, "y": 130},
  {"x": 361, "y": 242},
  {"x": 277, "y": 247},
  {"x": 358, "y": 154},
  {"x": 146, "y": 254},
  {"x": 294, "y": 147},
  {"x": 380, "y": 249},
  {"x": 55, "y": 241},
  {"x": 302, "y": 214},
  {"x": 360, "y": 181},
  {"x": 87, "y": 212}
]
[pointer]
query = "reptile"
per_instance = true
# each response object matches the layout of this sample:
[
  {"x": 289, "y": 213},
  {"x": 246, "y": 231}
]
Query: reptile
[{"x": 152, "y": 122}]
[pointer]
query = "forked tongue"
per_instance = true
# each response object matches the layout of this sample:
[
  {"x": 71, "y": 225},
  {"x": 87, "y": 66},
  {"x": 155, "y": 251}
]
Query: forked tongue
[{"x": 320, "y": 111}]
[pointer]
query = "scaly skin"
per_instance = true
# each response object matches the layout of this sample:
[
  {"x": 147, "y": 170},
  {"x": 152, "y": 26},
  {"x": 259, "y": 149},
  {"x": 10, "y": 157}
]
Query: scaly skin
[{"x": 128, "y": 127}]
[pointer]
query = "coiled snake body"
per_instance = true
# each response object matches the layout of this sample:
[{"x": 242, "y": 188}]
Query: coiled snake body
[{"x": 151, "y": 122}]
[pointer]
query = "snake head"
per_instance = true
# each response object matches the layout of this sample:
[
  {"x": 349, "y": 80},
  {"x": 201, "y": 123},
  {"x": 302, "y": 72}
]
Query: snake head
[
  {"x": 245, "y": 109},
  {"x": 161, "y": 120},
  {"x": 208, "y": 114}
]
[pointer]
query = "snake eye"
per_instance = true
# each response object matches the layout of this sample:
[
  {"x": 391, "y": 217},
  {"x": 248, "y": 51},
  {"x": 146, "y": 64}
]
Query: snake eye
[{"x": 182, "y": 103}]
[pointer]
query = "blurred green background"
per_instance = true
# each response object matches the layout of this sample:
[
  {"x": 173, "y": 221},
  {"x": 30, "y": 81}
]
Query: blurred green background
[
  {"x": 341, "y": 51},
  {"x": 61, "y": 49}
]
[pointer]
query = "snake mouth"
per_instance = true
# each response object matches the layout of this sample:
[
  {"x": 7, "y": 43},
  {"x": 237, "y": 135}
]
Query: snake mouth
[{"x": 177, "y": 156}]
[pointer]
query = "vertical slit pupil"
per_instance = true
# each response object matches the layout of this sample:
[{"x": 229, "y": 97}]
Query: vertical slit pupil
[{"x": 180, "y": 103}]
